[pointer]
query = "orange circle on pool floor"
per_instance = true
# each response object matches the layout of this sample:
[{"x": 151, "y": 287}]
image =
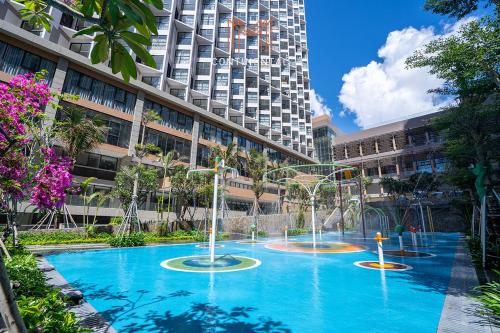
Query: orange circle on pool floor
[
  {"x": 390, "y": 266},
  {"x": 320, "y": 247}
]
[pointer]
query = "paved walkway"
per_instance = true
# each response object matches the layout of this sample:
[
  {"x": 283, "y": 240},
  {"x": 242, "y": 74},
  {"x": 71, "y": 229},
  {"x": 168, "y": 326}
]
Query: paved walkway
[
  {"x": 459, "y": 310},
  {"x": 86, "y": 313},
  {"x": 66, "y": 247}
]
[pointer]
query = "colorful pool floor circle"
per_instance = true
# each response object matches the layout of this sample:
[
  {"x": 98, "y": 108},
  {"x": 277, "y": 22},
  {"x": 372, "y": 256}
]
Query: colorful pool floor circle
[
  {"x": 388, "y": 266},
  {"x": 405, "y": 253},
  {"x": 320, "y": 247},
  {"x": 207, "y": 246},
  {"x": 202, "y": 264},
  {"x": 250, "y": 242}
]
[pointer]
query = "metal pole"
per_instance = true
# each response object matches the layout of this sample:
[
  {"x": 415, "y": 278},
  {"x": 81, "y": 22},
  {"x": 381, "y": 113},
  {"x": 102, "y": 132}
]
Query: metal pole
[
  {"x": 214, "y": 219},
  {"x": 362, "y": 206},
  {"x": 341, "y": 206},
  {"x": 483, "y": 230},
  {"x": 313, "y": 216}
]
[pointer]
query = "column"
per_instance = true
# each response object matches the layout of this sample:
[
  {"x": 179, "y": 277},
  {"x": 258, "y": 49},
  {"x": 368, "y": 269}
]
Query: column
[
  {"x": 394, "y": 143},
  {"x": 360, "y": 149},
  {"x": 194, "y": 141},
  {"x": 136, "y": 124},
  {"x": 376, "y": 146},
  {"x": 56, "y": 86}
]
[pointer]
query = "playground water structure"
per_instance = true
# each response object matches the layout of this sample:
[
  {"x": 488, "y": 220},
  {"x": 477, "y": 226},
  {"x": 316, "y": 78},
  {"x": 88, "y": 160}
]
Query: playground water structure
[{"x": 288, "y": 291}]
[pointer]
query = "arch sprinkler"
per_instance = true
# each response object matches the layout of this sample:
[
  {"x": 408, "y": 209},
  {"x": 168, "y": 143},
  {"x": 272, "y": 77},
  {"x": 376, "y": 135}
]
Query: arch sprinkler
[
  {"x": 218, "y": 169},
  {"x": 310, "y": 177}
]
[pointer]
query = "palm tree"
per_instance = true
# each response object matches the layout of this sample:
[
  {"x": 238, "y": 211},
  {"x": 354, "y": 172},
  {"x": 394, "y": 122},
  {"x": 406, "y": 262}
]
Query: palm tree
[
  {"x": 230, "y": 158},
  {"x": 256, "y": 168},
  {"x": 78, "y": 133},
  {"x": 168, "y": 163}
]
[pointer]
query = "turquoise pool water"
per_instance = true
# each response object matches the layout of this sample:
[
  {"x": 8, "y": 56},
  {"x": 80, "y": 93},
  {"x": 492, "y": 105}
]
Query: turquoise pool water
[{"x": 288, "y": 292}]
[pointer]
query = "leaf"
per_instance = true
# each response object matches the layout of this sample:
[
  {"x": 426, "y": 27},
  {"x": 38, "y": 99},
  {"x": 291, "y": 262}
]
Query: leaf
[
  {"x": 100, "y": 52},
  {"x": 129, "y": 67},
  {"x": 141, "y": 52},
  {"x": 86, "y": 182},
  {"x": 89, "y": 31},
  {"x": 135, "y": 37}
]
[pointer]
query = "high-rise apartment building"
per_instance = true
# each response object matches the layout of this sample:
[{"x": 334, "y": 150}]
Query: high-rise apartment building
[{"x": 226, "y": 71}]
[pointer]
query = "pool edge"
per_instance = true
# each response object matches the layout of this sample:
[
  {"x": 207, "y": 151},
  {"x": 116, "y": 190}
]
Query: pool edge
[
  {"x": 88, "y": 316},
  {"x": 459, "y": 309}
]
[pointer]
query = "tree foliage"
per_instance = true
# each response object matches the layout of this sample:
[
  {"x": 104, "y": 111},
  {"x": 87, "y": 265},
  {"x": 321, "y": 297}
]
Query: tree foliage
[
  {"x": 78, "y": 133},
  {"x": 256, "y": 167},
  {"x": 116, "y": 27},
  {"x": 124, "y": 180},
  {"x": 455, "y": 8}
]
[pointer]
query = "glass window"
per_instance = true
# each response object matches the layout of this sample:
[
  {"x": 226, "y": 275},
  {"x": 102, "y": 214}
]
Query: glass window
[
  {"x": 182, "y": 57},
  {"x": 183, "y": 38},
  {"x": 158, "y": 43},
  {"x": 188, "y": 4},
  {"x": 169, "y": 117},
  {"x": 221, "y": 79},
  {"x": 204, "y": 51},
  {"x": 237, "y": 73},
  {"x": 207, "y": 19},
  {"x": 162, "y": 22},
  {"x": 201, "y": 85},
  {"x": 181, "y": 93},
  {"x": 180, "y": 75},
  {"x": 203, "y": 68},
  {"x": 207, "y": 33},
  {"x": 237, "y": 89},
  {"x": 187, "y": 19},
  {"x": 202, "y": 103}
]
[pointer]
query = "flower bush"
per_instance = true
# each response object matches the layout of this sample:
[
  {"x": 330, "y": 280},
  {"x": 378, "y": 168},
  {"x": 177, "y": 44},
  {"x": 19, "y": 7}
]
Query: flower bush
[{"x": 29, "y": 167}]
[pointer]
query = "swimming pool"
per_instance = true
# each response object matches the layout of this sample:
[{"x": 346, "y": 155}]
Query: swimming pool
[{"x": 287, "y": 292}]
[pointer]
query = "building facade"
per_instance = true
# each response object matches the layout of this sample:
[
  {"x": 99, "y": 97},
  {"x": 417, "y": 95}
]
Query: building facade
[
  {"x": 324, "y": 133},
  {"x": 397, "y": 149},
  {"x": 208, "y": 88}
]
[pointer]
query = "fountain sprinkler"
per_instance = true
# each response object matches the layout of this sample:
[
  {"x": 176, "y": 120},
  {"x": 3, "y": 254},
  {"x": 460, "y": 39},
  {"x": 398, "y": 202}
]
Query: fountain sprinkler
[
  {"x": 400, "y": 229},
  {"x": 286, "y": 235},
  {"x": 413, "y": 232},
  {"x": 380, "y": 250},
  {"x": 253, "y": 227}
]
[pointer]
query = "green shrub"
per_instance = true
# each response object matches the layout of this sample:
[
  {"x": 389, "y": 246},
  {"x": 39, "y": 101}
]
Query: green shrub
[
  {"x": 25, "y": 276},
  {"x": 40, "y": 306},
  {"x": 297, "y": 231},
  {"x": 60, "y": 237},
  {"x": 262, "y": 233},
  {"x": 134, "y": 239},
  {"x": 490, "y": 299},
  {"x": 163, "y": 229},
  {"x": 117, "y": 220},
  {"x": 47, "y": 314}
]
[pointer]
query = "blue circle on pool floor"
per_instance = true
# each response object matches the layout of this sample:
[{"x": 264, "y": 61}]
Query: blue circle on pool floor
[{"x": 205, "y": 262}]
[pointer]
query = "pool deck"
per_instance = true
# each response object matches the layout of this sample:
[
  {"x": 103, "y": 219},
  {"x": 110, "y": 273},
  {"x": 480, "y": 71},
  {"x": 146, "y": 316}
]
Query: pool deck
[{"x": 459, "y": 309}]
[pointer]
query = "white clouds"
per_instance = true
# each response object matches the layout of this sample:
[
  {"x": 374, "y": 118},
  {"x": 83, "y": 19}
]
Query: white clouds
[
  {"x": 386, "y": 90},
  {"x": 318, "y": 104}
]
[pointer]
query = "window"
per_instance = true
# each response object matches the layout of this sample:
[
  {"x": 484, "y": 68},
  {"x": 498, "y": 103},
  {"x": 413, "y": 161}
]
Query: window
[
  {"x": 237, "y": 73},
  {"x": 220, "y": 95},
  {"x": 180, "y": 93},
  {"x": 204, "y": 51},
  {"x": 203, "y": 68},
  {"x": 251, "y": 112},
  {"x": 180, "y": 75},
  {"x": 182, "y": 57},
  {"x": 222, "y": 63},
  {"x": 188, "y": 4},
  {"x": 187, "y": 19},
  {"x": 99, "y": 92},
  {"x": 201, "y": 85},
  {"x": 207, "y": 33},
  {"x": 168, "y": 143},
  {"x": 202, "y": 103},
  {"x": 162, "y": 22},
  {"x": 237, "y": 104},
  {"x": 224, "y": 18},
  {"x": 264, "y": 119},
  {"x": 158, "y": 61},
  {"x": 154, "y": 81},
  {"x": 158, "y": 43},
  {"x": 208, "y": 4},
  {"x": 81, "y": 48},
  {"x": 237, "y": 89},
  {"x": 215, "y": 134},
  {"x": 221, "y": 112},
  {"x": 118, "y": 133},
  {"x": 14, "y": 60},
  {"x": 223, "y": 46},
  {"x": 169, "y": 117},
  {"x": 221, "y": 79},
  {"x": 183, "y": 38},
  {"x": 207, "y": 19},
  {"x": 252, "y": 41},
  {"x": 252, "y": 97},
  {"x": 223, "y": 32},
  {"x": 252, "y": 82}
]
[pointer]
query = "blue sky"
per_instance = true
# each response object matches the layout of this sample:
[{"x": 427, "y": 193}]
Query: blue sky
[{"x": 346, "y": 34}]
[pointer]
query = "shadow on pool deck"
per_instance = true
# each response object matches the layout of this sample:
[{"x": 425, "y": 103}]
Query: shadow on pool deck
[{"x": 199, "y": 318}]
